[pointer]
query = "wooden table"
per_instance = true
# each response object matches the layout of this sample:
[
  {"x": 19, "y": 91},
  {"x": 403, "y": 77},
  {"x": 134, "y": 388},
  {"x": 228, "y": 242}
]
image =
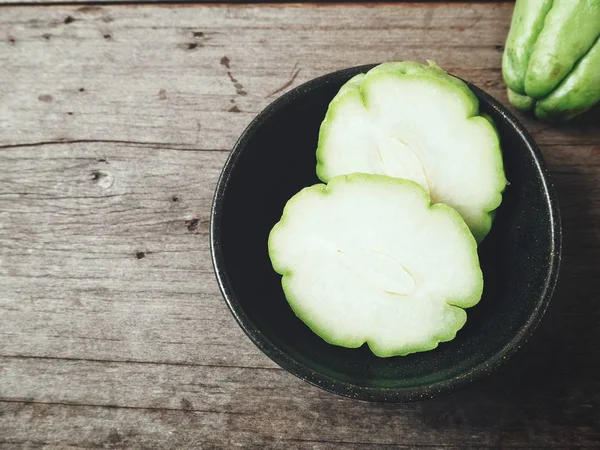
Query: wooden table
[{"x": 115, "y": 122}]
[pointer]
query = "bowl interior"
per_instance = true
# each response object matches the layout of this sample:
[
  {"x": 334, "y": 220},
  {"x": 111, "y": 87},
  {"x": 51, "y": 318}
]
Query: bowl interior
[{"x": 275, "y": 158}]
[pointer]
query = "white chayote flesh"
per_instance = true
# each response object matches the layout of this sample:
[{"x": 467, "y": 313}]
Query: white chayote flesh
[
  {"x": 414, "y": 121},
  {"x": 368, "y": 258}
]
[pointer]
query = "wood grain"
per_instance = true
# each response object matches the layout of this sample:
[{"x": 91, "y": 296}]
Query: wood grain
[
  {"x": 114, "y": 125},
  {"x": 228, "y": 403},
  {"x": 196, "y": 76},
  {"x": 203, "y": 3}
]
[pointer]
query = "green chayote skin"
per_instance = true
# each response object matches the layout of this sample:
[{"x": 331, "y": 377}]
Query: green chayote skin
[{"x": 551, "y": 61}]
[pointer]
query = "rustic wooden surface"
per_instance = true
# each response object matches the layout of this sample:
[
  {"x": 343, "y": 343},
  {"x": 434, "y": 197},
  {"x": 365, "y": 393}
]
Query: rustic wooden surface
[{"x": 114, "y": 124}]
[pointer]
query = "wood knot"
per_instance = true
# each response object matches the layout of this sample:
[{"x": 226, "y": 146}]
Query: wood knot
[
  {"x": 192, "y": 224},
  {"x": 102, "y": 178},
  {"x": 186, "y": 404},
  {"x": 190, "y": 45}
]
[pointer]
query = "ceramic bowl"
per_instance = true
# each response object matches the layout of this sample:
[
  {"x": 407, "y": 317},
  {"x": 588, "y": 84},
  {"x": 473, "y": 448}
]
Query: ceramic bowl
[{"x": 275, "y": 158}]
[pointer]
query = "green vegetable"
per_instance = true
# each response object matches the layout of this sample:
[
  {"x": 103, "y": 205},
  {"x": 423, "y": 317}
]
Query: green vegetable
[
  {"x": 578, "y": 92},
  {"x": 368, "y": 258},
  {"x": 413, "y": 121},
  {"x": 520, "y": 101},
  {"x": 551, "y": 58}
]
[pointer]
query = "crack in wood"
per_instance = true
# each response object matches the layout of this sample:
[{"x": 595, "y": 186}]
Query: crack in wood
[
  {"x": 239, "y": 87},
  {"x": 151, "y": 363},
  {"x": 97, "y": 405},
  {"x": 288, "y": 83},
  {"x": 48, "y": 197},
  {"x": 160, "y": 145}
]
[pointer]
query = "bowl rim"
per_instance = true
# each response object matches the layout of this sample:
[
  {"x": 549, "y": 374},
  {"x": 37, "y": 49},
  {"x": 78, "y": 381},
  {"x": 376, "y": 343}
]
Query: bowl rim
[{"x": 347, "y": 389}]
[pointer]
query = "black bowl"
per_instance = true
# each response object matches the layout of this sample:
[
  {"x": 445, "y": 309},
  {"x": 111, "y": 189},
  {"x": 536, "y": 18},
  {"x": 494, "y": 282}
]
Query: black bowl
[{"x": 275, "y": 158}]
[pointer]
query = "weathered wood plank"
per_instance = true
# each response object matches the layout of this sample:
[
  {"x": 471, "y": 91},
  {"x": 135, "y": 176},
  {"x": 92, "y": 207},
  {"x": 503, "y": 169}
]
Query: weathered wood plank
[
  {"x": 227, "y": 403},
  {"x": 169, "y": 74},
  {"x": 105, "y": 256},
  {"x": 105, "y": 253},
  {"x": 94, "y": 427},
  {"x": 165, "y": 307},
  {"x": 219, "y": 3}
]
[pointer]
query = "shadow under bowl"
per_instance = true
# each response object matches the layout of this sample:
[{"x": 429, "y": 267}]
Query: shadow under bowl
[{"x": 275, "y": 158}]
